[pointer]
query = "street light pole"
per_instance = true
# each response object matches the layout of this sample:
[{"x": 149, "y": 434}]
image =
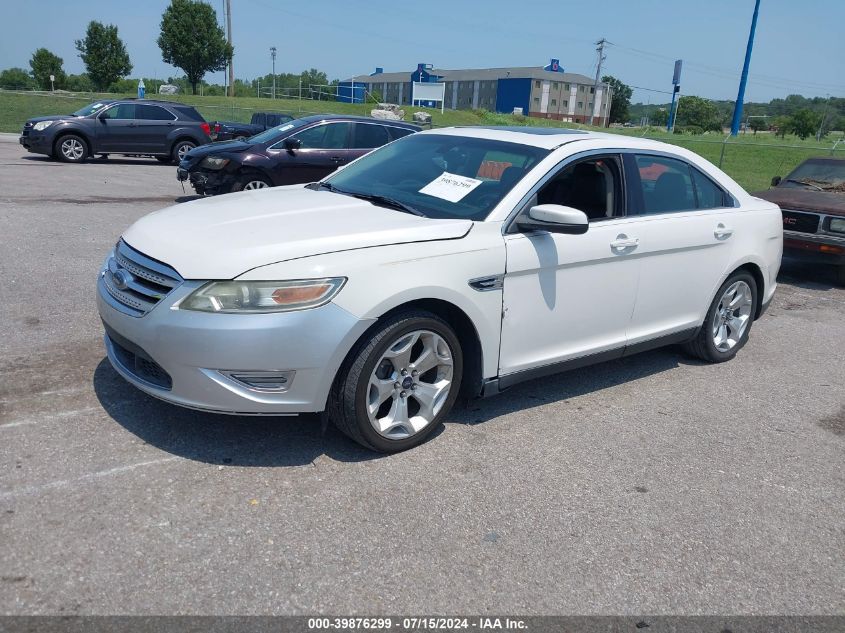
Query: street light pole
[
  {"x": 273, "y": 57},
  {"x": 744, "y": 78}
]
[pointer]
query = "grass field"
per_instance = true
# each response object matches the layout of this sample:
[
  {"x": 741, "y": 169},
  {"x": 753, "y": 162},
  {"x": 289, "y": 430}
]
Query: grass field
[{"x": 750, "y": 160}]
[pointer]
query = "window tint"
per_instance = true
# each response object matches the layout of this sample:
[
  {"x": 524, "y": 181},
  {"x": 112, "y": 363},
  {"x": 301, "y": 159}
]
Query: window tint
[
  {"x": 328, "y": 136},
  {"x": 189, "y": 113},
  {"x": 368, "y": 136},
  {"x": 152, "y": 113},
  {"x": 709, "y": 195},
  {"x": 666, "y": 184},
  {"x": 122, "y": 111},
  {"x": 593, "y": 186},
  {"x": 398, "y": 132}
]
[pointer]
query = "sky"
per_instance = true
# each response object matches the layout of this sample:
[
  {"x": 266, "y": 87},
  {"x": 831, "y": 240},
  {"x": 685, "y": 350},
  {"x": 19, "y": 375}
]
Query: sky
[{"x": 799, "y": 46}]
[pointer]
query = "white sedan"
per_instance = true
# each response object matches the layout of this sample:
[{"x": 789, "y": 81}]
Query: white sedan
[{"x": 460, "y": 260}]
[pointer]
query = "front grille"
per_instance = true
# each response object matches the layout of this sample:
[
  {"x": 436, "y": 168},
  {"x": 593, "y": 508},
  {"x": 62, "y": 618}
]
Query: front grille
[
  {"x": 27, "y": 127},
  {"x": 135, "y": 282},
  {"x": 143, "y": 368},
  {"x": 800, "y": 222}
]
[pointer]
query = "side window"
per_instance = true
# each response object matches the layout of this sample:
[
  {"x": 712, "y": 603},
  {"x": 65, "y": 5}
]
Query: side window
[
  {"x": 369, "y": 136},
  {"x": 152, "y": 113},
  {"x": 328, "y": 136},
  {"x": 666, "y": 184},
  {"x": 708, "y": 193},
  {"x": 592, "y": 185},
  {"x": 122, "y": 111},
  {"x": 398, "y": 132}
]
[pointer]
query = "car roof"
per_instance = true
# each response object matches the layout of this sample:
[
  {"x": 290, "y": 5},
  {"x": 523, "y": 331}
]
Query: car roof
[
  {"x": 364, "y": 119},
  {"x": 552, "y": 138}
]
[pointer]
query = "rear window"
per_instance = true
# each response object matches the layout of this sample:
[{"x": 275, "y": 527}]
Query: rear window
[
  {"x": 152, "y": 113},
  {"x": 399, "y": 132},
  {"x": 189, "y": 113}
]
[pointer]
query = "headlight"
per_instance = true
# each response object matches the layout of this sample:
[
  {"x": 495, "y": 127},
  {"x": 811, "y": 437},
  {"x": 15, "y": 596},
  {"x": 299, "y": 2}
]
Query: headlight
[
  {"x": 262, "y": 296},
  {"x": 210, "y": 162},
  {"x": 837, "y": 225},
  {"x": 42, "y": 125}
]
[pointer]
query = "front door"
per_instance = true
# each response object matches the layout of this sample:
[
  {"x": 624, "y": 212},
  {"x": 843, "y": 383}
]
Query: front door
[
  {"x": 571, "y": 296},
  {"x": 324, "y": 148},
  {"x": 118, "y": 131}
]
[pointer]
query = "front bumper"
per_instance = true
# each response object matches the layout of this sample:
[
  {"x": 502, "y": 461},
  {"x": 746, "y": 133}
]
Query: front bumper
[
  {"x": 814, "y": 247},
  {"x": 36, "y": 142},
  {"x": 183, "y": 354},
  {"x": 202, "y": 181}
]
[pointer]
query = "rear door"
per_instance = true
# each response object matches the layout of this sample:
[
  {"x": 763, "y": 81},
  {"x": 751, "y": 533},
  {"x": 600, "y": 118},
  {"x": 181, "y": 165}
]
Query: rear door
[
  {"x": 683, "y": 223},
  {"x": 325, "y": 146},
  {"x": 366, "y": 137},
  {"x": 154, "y": 124}
]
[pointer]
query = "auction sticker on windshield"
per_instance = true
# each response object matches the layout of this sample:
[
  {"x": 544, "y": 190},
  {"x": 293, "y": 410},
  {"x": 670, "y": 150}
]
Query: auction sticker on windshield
[{"x": 451, "y": 187}]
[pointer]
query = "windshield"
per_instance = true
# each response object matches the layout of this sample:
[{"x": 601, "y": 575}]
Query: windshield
[
  {"x": 819, "y": 174},
  {"x": 440, "y": 176},
  {"x": 276, "y": 133},
  {"x": 90, "y": 109}
]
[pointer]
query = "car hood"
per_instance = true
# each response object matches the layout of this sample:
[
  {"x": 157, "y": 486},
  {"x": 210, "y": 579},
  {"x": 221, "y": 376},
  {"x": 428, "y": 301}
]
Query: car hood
[
  {"x": 220, "y": 147},
  {"x": 829, "y": 202},
  {"x": 225, "y": 236},
  {"x": 52, "y": 117}
]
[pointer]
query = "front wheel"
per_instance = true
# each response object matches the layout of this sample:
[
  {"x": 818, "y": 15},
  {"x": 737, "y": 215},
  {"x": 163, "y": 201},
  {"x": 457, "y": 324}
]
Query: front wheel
[
  {"x": 250, "y": 182},
  {"x": 728, "y": 322},
  {"x": 399, "y": 383},
  {"x": 71, "y": 149}
]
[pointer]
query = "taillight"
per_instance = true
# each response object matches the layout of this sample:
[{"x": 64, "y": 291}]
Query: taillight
[{"x": 206, "y": 128}]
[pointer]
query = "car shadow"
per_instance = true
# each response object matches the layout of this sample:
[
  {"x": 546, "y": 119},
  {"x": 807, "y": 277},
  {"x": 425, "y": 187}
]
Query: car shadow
[
  {"x": 100, "y": 161},
  {"x": 299, "y": 440},
  {"x": 251, "y": 441},
  {"x": 807, "y": 275}
]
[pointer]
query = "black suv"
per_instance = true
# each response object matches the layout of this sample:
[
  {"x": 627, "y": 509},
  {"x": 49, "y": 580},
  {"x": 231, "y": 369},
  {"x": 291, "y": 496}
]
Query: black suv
[{"x": 162, "y": 129}]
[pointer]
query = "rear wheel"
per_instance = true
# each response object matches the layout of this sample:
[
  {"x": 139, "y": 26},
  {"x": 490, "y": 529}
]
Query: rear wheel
[
  {"x": 399, "y": 383},
  {"x": 180, "y": 149},
  {"x": 728, "y": 322},
  {"x": 71, "y": 148},
  {"x": 840, "y": 275}
]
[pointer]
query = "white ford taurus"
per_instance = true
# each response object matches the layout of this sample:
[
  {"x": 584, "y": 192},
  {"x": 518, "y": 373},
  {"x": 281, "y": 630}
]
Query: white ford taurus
[{"x": 460, "y": 260}]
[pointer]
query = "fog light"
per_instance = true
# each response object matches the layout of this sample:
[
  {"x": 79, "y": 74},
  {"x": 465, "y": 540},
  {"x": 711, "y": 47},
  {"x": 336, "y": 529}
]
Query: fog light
[{"x": 273, "y": 381}]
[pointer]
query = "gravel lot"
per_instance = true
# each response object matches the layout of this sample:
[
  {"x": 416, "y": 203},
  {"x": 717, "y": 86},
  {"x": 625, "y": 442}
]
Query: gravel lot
[{"x": 652, "y": 485}]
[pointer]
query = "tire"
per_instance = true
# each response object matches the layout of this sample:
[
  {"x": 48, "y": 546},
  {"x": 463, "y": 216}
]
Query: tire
[
  {"x": 71, "y": 148},
  {"x": 728, "y": 322},
  {"x": 840, "y": 276},
  {"x": 248, "y": 182},
  {"x": 371, "y": 391},
  {"x": 240, "y": 137},
  {"x": 180, "y": 148}
]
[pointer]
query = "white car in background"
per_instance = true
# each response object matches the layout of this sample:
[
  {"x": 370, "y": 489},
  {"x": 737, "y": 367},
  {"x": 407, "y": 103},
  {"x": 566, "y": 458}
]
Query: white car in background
[{"x": 460, "y": 260}]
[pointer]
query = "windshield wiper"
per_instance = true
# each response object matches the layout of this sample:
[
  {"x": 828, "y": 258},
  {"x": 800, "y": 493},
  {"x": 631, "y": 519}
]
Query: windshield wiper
[
  {"x": 386, "y": 201},
  {"x": 316, "y": 186},
  {"x": 806, "y": 184}
]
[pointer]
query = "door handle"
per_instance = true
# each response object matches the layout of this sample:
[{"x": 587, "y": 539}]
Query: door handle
[
  {"x": 132, "y": 125},
  {"x": 623, "y": 241},
  {"x": 336, "y": 159},
  {"x": 722, "y": 232}
]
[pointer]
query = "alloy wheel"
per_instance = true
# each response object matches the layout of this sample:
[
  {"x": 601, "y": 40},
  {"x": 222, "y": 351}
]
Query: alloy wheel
[
  {"x": 255, "y": 184},
  {"x": 183, "y": 149},
  {"x": 733, "y": 314},
  {"x": 72, "y": 149},
  {"x": 410, "y": 384}
]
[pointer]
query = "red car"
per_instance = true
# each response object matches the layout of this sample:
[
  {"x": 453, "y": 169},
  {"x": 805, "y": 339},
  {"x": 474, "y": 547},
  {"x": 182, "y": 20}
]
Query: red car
[{"x": 812, "y": 200}]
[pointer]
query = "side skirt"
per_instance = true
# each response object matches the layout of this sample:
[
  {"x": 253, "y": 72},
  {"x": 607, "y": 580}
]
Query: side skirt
[{"x": 497, "y": 385}]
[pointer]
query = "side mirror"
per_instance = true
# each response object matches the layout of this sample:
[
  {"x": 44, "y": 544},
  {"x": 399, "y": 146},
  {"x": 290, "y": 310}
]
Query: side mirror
[
  {"x": 292, "y": 144},
  {"x": 554, "y": 218},
  {"x": 776, "y": 181}
]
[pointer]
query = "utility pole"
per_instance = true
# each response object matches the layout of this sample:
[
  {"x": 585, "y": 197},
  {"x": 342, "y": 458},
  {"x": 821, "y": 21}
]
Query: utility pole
[
  {"x": 229, "y": 36},
  {"x": 600, "y": 51},
  {"x": 273, "y": 57},
  {"x": 740, "y": 97},
  {"x": 821, "y": 123}
]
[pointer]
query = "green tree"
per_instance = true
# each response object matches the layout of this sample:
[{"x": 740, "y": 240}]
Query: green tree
[
  {"x": 104, "y": 54},
  {"x": 781, "y": 125},
  {"x": 43, "y": 64},
  {"x": 192, "y": 40},
  {"x": 697, "y": 111},
  {"x": 804, "y": 123},
  {"x": 757, "y": 124},
  {"x": 79, "y": 83},
  {"x": 620, "y": 99},
  {"x": 16, "y": 79}
]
